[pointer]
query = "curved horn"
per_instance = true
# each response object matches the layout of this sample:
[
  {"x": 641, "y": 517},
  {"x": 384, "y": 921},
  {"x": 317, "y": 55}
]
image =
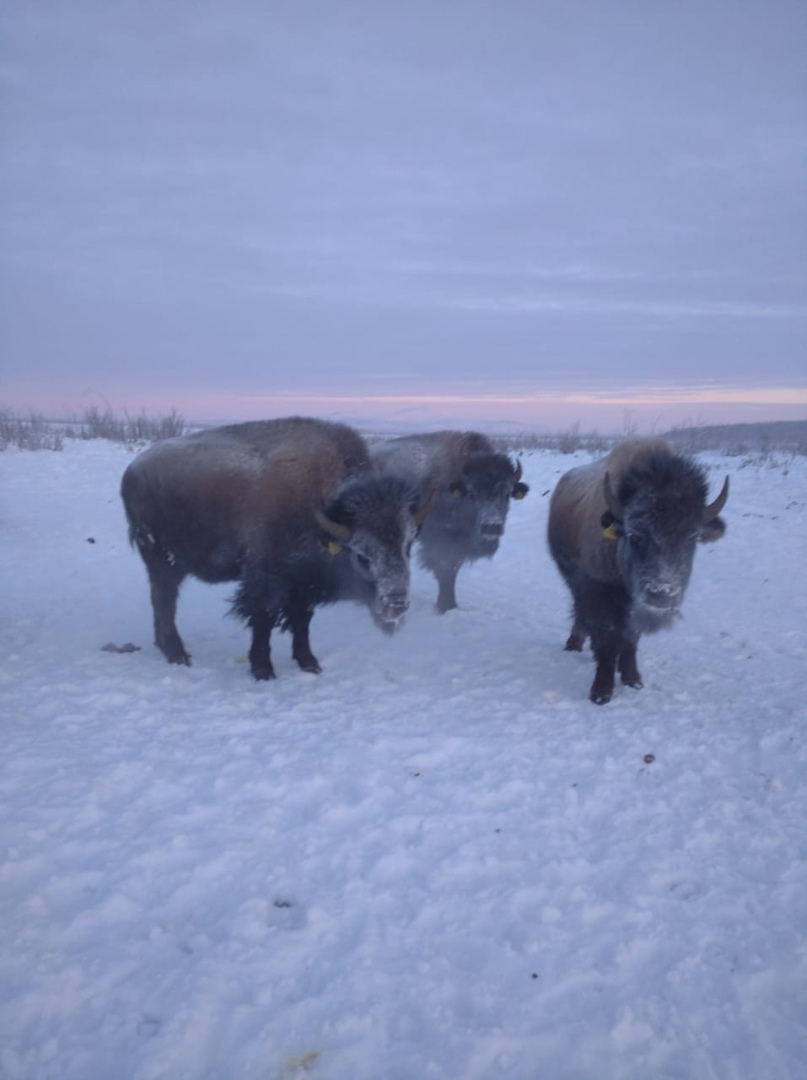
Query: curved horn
[
  {"x": 517, "y": 474},
  {"x": 611, "y": 501},
  {"x": 423, "y": 511},
  {"x": 713, "y": 509},
  {"x": 333, "y": 528}
]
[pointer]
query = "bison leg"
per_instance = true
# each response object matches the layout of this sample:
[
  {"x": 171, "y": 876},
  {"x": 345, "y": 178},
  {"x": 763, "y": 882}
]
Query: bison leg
[
  {"x": 605, "y": 615},
  {"x": 446, "y": 589},
  {"x": 260, "y": 659},
  {"x": 628, "y": 669},
  {"x": 602, "y": 688},
  {"x": 577, "y": 639},
  {"x": 299, "y": 619},
  {"x": 164, "y": 581}
]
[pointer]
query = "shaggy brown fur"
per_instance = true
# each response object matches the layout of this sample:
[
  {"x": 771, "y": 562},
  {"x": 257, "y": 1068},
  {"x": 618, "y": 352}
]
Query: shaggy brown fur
[{"x": 627, "y": 559}]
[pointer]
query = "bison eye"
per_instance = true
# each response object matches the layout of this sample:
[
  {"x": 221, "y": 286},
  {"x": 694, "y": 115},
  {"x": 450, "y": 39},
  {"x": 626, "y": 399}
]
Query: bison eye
[
  {"x": 637, "y": 541},
  {"x": 363, "y": 561}
]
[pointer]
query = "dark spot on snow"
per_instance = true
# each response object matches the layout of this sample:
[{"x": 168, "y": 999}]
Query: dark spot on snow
[
  {"x": 534, "y": 975},
  {"x": 90, "y": 539},
  {"x": 649, "y": 759},
  {"x": 284, "y": 903},
  {"x": 112, "y": 647}
]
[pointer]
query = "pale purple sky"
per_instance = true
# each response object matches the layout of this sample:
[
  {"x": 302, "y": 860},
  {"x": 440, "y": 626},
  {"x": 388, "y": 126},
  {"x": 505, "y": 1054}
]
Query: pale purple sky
[{"x": 540, "y": 211}]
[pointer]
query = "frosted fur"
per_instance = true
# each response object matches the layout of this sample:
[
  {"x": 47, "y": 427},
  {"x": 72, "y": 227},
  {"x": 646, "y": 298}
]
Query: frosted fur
[
  {"x": 474, "y": 485},
  {"x": 628, "y": 564}
]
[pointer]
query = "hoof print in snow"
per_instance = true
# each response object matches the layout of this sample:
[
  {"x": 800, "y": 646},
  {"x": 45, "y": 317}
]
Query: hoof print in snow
[
  {"x": 649, "y": 759},
  {"x": 149, "y": 1026}
]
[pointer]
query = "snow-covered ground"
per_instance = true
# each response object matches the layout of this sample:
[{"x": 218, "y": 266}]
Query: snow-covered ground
[{"x": 435, "y": 861}]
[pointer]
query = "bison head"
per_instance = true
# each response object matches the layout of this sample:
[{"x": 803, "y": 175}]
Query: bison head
[
  {"x": 656, "y": 517},
  {"x": 371, "y": 525},
  {"x": 481, "y": 500}
]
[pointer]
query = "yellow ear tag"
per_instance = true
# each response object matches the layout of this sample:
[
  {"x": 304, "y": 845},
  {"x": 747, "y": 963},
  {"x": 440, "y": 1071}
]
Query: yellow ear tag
[
  {"x": 457, "y": 494},
  {"x": 518, "y": 494},
  {"x": 333, "y": 547},
  {"x": 610, "y": 533}
]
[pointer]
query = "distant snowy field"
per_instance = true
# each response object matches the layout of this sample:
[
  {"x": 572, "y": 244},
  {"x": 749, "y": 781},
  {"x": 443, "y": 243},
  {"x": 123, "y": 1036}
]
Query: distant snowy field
[{"x": 435, "y": 861}]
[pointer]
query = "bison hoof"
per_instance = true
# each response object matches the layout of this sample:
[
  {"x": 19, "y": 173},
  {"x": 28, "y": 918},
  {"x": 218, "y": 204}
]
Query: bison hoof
[
  {"x": 310, "y": 664},
  {"x": 600, "y": 696},
  {"x": 178, "y": 658},
  {"x": 574, "y": 643},
  {"x": 263, "y": 674}
]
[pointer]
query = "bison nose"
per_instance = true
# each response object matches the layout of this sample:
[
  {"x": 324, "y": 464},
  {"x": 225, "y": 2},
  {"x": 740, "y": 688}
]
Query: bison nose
[
  {"x": 662, "y": 596},
  {"x": 395, "y": 605},
  {"x": 492, "y": 529}
]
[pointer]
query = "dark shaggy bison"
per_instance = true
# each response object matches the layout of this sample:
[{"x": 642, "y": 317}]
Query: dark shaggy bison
[
  {"x": 623, "y": 532},
  {"x": 474, "y": 485},
  {"x": 291, "y": 509}
]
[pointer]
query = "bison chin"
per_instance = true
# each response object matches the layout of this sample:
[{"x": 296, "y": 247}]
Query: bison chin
[
  {"x": 648, "y": 616},
  {"x": 488, "y": 548},
  {"x": 389, "y": 617}
]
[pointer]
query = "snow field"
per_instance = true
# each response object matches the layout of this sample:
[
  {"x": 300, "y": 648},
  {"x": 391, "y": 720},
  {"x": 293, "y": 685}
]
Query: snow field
[{"x": 435, "y": 860}]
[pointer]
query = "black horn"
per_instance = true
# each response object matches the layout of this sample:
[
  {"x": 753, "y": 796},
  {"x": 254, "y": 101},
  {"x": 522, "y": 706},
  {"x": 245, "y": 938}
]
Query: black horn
[
  {"x": 611, "y": 500},
  {"x": 713, "y": 509},
  {"x": 423, "y": 511},
  {"x": 333, "y": 528}
]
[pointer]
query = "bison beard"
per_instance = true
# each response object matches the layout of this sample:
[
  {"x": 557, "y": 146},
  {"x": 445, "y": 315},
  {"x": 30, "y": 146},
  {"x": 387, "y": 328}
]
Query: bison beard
[
  {"x": 290, "y": 509},
  {"x": 623, "y": 533}
]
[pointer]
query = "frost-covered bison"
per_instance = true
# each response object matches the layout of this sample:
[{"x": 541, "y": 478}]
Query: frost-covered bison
[
  {"x": 291, "y": 509},
  {"x": 474, "y": 485},
  {"x": 623, "y": 532}
]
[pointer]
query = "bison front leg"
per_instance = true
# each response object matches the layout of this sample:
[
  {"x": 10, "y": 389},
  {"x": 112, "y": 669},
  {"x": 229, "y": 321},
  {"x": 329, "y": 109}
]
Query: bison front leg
[
  {"x": 628, "y": 669},
  {"x": 577, "y": 639},
  {"x": 602, "y": 689},
  {"x": 299, "y": 618},
  {"x": 606, "y": 608},
  {"x": 446, "y": 591},
  {"x": 260, "y": 657}
]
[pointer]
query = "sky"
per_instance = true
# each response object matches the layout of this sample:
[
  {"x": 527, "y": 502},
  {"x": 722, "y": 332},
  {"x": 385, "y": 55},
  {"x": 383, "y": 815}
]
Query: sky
[{"x": 543, "y": 212}]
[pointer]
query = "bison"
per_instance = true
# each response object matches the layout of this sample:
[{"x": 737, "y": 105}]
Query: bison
[
  {"x": 473, "y": 485},
  {"x": 622, "y": 532},
  {"x": 291, "y": 509}
]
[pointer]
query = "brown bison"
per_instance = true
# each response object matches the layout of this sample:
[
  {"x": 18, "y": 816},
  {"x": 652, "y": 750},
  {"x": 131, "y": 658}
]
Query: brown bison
[
  {"x": 473, "y": 485},
  {"x": 623, "y": 532},
  {"x": 291, "y": 509}
]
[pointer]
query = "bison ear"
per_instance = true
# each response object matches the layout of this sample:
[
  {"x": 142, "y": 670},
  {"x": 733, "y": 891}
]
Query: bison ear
[
  {"x": 333, "y": 547},
  {"x": 458, "y": 489},
  {"x": 712, "y": 530},
  {"x": 520, "y": 490}
]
